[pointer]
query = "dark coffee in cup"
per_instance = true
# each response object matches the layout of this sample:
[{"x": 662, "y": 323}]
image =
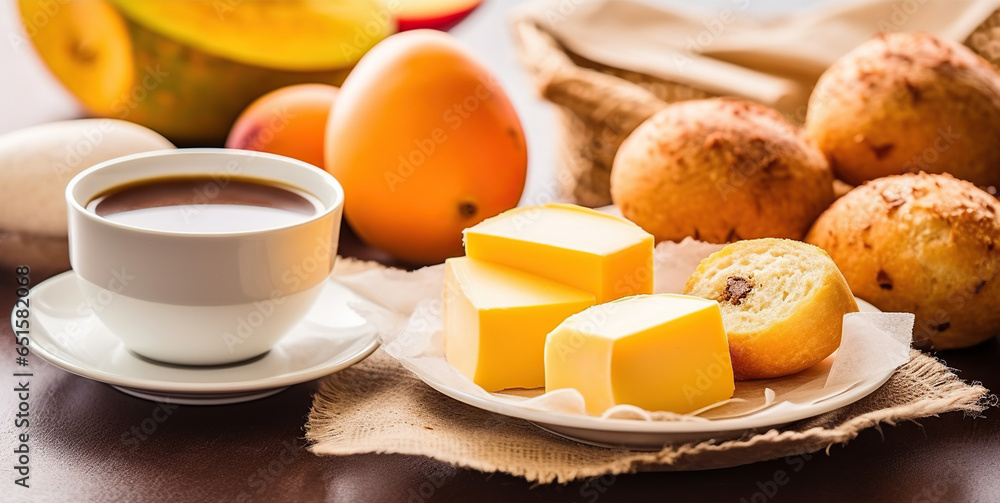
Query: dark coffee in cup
[{"x": 205, "y": 204}]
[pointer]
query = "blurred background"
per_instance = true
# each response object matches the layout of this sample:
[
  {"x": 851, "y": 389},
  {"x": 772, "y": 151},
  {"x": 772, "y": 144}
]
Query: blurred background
[{"x": 30, "y": 94}]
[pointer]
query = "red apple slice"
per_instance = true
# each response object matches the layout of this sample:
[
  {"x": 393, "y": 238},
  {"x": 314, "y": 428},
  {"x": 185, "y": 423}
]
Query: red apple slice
[{"x": 434, "y": 14}]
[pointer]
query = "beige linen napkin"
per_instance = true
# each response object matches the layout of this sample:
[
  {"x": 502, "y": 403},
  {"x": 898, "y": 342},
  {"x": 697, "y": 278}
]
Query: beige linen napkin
[
  {"x": 610, "y": 64},
  {"x": 726, "y": 53}
]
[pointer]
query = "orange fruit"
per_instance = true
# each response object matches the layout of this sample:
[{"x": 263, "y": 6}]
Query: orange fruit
[
  {"x": 426, "y": 143},
  {"x": 290, "y": 121}
]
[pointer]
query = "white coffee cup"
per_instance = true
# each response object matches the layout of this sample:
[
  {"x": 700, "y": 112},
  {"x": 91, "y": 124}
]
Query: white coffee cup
[{"x": 193, "y": 298}]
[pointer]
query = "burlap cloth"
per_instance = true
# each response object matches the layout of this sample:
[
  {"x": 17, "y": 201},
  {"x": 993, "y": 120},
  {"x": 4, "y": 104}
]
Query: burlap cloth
[
  {"x": 609, "y": 65},
  {"x": 377, "y": 406}
]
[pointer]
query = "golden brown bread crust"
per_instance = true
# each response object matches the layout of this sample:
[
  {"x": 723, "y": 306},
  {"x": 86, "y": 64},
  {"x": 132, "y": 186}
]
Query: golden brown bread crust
[
  {"x": 720, "y": 170},
  {"x": 921, "y": 243},
  {"x": 908, "y": 102}
]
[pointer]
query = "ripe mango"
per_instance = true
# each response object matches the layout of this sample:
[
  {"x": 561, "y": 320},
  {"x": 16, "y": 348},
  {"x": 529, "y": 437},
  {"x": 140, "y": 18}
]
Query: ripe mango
[
  {"x": 187, "y": 69},
  {"x": 426, "y": 143}
]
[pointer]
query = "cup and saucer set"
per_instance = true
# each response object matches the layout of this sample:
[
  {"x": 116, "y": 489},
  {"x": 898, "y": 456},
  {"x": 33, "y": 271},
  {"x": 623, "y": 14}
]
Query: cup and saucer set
[{"x": 200, "y": 276}]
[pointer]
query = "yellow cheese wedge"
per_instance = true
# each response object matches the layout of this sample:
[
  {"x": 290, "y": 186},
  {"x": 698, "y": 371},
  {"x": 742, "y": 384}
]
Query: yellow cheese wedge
[
  {"x": 605, "y": 255},
  {"x": 660, "y": 352},
  {"x": 496, "y": 320}
]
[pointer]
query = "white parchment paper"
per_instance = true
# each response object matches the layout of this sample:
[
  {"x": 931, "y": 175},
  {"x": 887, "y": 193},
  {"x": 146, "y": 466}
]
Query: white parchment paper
[{"x": 407, "y": 308}]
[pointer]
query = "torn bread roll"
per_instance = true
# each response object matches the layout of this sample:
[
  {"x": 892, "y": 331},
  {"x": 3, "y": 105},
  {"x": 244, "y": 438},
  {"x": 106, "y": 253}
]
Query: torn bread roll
[{"x": 783, "y": 303}]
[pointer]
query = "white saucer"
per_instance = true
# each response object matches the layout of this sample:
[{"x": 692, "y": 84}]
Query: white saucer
[{"x": 65, "y": 332}]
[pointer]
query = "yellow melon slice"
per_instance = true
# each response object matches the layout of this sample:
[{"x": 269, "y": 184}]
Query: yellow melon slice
[{"x": 297, "y": 35}]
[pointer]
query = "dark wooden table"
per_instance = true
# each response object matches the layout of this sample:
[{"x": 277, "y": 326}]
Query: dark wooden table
[{"x": 90, "y": 443}]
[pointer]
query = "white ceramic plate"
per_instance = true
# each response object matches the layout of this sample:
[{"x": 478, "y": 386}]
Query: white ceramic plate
[
  {"x": 655, "y": 434},
  {"x": 65, "y": 332}
]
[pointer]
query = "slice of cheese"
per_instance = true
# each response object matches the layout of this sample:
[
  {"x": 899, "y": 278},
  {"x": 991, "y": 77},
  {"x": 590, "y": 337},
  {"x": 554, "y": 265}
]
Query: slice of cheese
[
  {"x": 605, "y": 255},
  {"x": 660, "y": 352},
  {"x": 496, "y": 320}
]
